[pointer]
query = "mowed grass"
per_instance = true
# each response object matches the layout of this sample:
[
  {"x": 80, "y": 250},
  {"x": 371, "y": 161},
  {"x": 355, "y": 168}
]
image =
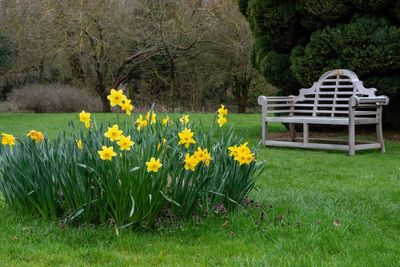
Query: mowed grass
[{"x": 321, "y": 209}]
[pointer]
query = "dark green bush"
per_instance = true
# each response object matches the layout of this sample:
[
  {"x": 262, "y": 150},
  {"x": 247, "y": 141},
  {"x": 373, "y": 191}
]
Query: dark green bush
[
  {"x": 297, "y": 41},
  {"x": 7, "y": 53}
]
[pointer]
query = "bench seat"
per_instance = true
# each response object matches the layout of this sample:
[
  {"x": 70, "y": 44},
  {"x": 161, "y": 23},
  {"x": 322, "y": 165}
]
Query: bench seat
[
  {"x": 337, "y": 98},
  {"x": 320, "y": 120}
]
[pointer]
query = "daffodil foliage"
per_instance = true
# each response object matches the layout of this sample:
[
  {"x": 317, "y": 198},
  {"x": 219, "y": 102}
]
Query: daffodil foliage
[{"x": 127, "y": 173}]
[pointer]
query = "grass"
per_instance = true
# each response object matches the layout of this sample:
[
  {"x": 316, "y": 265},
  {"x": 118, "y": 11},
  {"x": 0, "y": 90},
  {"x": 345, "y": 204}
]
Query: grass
[{"x": 321, "y": 209}]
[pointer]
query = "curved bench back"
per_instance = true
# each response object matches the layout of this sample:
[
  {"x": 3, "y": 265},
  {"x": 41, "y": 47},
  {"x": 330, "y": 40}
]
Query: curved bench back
[{"x": 329, "y": 96}]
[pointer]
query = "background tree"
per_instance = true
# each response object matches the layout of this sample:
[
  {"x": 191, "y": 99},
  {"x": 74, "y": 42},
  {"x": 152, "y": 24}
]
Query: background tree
[
  {"x": 7, "y": 53},
  {"x": 7, "y": 58},
  {"x": 181, "y": 55},
  {"x": 296, "y": 41},
  {"x": 232, "y": 43}
]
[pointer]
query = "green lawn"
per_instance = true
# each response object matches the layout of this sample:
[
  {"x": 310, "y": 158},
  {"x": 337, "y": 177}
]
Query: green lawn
[{"x": 302, "y": 193}]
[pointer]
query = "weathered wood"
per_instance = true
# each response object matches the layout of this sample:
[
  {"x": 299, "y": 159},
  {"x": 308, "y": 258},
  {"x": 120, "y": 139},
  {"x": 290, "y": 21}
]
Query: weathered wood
[
  {"x": 280, "y": 105},
  {"x": 337, "y": 98},
  {"x": 305, "y": 134},
  {"x": 321, "y": 120},
  {"x": 379, "y": 130},
  {"x": 364, "y": 113},
  {"x": 302, "y": 145},
  {"x": 292, "y": 132},
  {"x": 262, "y": 100},
  {"x": 344, "y": 147},
  {"x": 278, "y": 111},
  {"x": 322, "y": 105},
  {"x": 352, "y": 128},
  {"x": 333, "y": 93}
]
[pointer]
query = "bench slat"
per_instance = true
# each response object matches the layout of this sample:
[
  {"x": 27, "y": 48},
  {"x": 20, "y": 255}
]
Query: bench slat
[
  {"x": 340, "y": 80},
  {"x": 334, "y": 86},
  {"x": 326, "y": 99},
  {"x": 277, "y": 111},
  {"x": 363, "y": 113},
  {"x": 345, "y": 93},
  {"x": 322, "y": 105},
  {"x": 279, "y": 105}
]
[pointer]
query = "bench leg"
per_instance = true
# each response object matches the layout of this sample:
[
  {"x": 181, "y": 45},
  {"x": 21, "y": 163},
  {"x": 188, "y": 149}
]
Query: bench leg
[
  {"x": 379, "y": 133},
  {"x": 352, "y": 139},
  {"x": 264, "y": 132},
  {"x": 292, "y": 131},
  {"x": 305, "y": 133},
  {"x": 352, "y": 128},
  {"x": 379, "y": 130}
]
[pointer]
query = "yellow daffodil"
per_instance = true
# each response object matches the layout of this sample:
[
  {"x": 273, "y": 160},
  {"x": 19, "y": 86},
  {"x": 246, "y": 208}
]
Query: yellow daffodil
[
  {"x": 191, "y": 162},
  {"x": 125, "y": 143},
  {"x": 222, "y": 120},
  {"x": 203, "y": 156},
  {"x": 107, "y": 153},
  {"x": 85, "y": 118},
  {"x": 243, "y": 148},
  {"x": 113, "y": 133},
  {"x": 35, "y": 135},
  {"x": 184, "y": 119},
  {"x": 244, "y": 158},
  {"x": 8, "y": 139},
  {"x": 153, "y": 118},
  {"x": 233, "y": 150},
  {"x": 165, "y": 121},
  {"x": 116, "y": 98},
  {"x": 153, "y": 165},
  {"x": 241, "y": 154},
  {"x": 186, "y": 137},
  {"x": 207, "y": 158},
  {"x": 222, "y": 110},
  {"x": 127, "y": 106},
  {"x": 199, "y": 153},
  {"x": 79, "y": 144},
  {"x": 140, "y": 123}
]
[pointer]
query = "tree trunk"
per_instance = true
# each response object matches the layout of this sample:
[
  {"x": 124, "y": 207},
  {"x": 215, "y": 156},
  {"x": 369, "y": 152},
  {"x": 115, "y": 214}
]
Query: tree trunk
[
  {"x": 41, "y": 70},
  {"x": 242, "y": 105},
  {"x": 172, "y": 80},
  {"x": 100, "y": 89},
  {"x": 102, "y": 93},
  {"x": 244, "y": 96},
  {"x": 241, "y": 92}
]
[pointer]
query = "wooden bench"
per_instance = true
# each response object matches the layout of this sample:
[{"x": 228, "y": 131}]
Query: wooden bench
[{"x": 338, "y": 98}]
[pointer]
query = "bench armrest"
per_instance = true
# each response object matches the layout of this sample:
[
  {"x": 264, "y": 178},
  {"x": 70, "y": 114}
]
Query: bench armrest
[
  {"x": 276, "y": 104},
  {"x": 263, "y": 100},
  {"x": 355, "y": 101}
]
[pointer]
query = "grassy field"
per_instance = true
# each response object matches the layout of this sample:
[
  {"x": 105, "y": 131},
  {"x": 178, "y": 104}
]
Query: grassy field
[{"x": 321, "y": 209}]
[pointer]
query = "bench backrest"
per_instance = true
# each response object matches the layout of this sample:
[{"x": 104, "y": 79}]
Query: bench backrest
[{"x": 329, "y": 96}]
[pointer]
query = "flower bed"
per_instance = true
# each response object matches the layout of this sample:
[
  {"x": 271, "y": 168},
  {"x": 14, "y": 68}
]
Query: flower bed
[{"x": 129, "y": 172}]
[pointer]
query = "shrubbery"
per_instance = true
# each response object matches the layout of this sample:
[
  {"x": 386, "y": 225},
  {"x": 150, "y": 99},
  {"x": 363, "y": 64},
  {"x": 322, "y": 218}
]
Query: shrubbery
[
  {"x": 297, "y": 41},
  {"x": 124, "y": 174},
  {"x": 45, "y": 98}
]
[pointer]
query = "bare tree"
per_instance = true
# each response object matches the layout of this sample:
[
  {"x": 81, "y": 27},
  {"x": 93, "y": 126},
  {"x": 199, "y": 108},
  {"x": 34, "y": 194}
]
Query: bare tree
[
  {"x": 181, "y": 53},
  {"x": 232, "y": 47}
]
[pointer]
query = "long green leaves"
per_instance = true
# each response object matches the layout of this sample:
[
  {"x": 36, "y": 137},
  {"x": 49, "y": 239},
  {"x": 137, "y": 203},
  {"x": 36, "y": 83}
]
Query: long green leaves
[{"x": 57, "y": 180}]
